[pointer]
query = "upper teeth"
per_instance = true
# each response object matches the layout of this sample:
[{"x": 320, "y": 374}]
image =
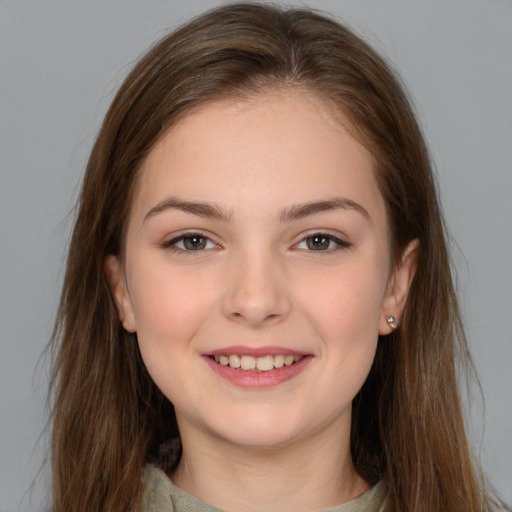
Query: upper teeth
[{"x": 263, "y": 364}]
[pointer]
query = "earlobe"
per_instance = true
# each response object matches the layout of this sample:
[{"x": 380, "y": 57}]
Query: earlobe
[
  {"x": 398, "y": 289},
  {"x": 116, "y": 280}
]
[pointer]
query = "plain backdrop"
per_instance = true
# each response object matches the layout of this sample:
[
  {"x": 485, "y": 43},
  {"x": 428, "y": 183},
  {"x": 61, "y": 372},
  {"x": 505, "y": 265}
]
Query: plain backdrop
[{"x": 61, "y": 62}]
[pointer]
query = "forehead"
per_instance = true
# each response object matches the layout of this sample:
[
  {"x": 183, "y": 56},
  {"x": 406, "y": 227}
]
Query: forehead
[{"x": 281, "y": 146}]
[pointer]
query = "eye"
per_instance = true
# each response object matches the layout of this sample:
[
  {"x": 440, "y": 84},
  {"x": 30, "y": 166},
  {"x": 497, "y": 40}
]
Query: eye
[
  {"x": 321, "y": 242},
  {"x": 190, "y": 242}
]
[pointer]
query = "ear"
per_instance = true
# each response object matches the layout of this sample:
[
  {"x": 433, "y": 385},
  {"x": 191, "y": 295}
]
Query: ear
[
  {"x": 116, "y": 279},
  {"x": 398, "y": 288}
]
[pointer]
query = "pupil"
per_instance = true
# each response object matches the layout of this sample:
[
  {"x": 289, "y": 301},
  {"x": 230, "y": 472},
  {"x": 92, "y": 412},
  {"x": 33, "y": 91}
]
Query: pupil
[
  {"x": 194, "y": 242},
  {"x": 318, "y": 242}
]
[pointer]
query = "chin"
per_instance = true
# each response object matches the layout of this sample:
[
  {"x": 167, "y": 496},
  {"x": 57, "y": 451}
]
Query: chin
[{"x": 255, "y": 432}]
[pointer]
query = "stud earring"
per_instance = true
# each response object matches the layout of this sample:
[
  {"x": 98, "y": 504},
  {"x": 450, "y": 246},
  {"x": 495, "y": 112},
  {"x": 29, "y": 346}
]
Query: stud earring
[{"x": 391, "y": 320}]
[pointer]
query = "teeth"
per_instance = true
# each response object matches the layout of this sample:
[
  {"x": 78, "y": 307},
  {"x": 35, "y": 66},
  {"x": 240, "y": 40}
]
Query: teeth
[
  {"x": 278, "y": 361},
  {"x": 234, "y": 361},
  {"x": 247, "y": 363},
  {"x": 288, "y": 360},
  {"x": 265, "y": 363},
  {"x": 262, "y": 364}
]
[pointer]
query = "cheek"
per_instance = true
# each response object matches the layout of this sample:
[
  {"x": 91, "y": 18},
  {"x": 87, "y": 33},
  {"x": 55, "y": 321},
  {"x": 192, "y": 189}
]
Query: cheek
[
  {"x": 347, "y": 320},
  {"x": 347, "y": 308},
  {"x": 169, "y": 306}
]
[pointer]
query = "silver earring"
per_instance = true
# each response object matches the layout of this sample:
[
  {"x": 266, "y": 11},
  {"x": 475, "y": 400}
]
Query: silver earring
[{"x": 391, "y": 320}]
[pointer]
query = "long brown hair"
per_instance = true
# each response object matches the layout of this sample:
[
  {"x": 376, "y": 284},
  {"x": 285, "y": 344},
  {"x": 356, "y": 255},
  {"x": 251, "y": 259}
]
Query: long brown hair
[{"x": 108, "y": 416}]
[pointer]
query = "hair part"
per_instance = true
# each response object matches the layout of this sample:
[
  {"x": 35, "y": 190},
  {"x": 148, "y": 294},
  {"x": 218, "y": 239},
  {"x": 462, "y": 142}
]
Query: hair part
[{"x": 109, "y": 418}]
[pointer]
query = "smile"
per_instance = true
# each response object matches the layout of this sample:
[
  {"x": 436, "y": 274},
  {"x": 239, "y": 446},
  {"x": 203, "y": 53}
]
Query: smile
[
  {"x": 257, "y": 368},
  {"x": 256, "y": 364}
]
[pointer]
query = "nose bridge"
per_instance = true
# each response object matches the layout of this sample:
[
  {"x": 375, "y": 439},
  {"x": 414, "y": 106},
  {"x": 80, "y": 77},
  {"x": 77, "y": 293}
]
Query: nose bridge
[{"x": 256, "y": 293}]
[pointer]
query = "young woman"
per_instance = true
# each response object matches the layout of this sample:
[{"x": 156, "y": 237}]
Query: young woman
[{"x": 258, "y": 311}]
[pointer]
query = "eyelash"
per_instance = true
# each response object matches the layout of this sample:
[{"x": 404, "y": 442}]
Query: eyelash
[{"x": 209, "y": 244}]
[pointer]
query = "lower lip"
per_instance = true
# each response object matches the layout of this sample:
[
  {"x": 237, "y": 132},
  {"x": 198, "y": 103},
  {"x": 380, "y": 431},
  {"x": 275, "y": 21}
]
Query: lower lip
[{"x": 249, "y": 379}]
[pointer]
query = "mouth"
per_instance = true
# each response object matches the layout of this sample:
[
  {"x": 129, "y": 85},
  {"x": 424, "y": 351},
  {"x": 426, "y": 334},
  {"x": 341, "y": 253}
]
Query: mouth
[
  {"x": 247, "y": 363},
  {"x": 257, "y": 368}
]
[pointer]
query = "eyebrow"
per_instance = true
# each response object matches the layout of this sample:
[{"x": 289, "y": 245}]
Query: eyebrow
[
  {"x": 200, "y": 208},
  {"x": 299, "y": 211},
  {"x": 291, "y": 213}
]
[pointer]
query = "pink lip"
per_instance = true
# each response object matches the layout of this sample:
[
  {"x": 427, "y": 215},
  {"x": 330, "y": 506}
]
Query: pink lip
[{"x": 250, "y": 379}]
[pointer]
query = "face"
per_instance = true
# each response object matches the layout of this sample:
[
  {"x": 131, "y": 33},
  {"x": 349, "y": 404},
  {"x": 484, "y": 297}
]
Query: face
[{"x": 257, "y": 270}]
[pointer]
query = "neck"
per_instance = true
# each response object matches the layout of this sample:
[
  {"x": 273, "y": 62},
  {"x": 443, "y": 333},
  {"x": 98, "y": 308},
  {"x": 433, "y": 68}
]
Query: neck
[{"x": 310, "y": 474}]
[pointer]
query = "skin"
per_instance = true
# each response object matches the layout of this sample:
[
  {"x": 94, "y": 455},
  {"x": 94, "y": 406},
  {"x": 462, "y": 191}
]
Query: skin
[{"x": 257, "y": 283}]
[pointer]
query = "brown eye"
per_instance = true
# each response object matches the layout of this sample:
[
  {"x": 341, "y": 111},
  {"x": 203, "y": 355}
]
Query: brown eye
[
  {"x": 322, "y": 242},
  {"x": 318, "y": 242},
  {"x": 190, "y": 242},
  {"x": 194, "y": 242}
]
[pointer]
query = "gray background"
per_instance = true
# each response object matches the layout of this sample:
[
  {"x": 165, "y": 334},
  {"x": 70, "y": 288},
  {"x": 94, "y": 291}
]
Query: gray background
[{"x": 61, "y": 61}]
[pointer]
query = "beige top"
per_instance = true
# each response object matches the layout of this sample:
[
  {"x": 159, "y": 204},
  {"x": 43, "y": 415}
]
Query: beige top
[{"x": 161, "y": 495}]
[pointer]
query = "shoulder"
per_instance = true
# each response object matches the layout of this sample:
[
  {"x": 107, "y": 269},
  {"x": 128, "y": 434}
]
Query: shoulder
[
  {"x": 158, "y": 491},
  {"x": 372, "y": 500},
  {"x": 160, "y": 494}
]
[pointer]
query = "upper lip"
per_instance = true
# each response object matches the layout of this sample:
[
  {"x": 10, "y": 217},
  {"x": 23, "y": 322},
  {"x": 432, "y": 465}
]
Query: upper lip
[{"x": 256, "y": 351}]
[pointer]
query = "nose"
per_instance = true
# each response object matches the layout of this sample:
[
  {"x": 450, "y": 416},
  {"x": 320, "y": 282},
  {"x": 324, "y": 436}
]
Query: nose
[{"x": 257, "y": 293}]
